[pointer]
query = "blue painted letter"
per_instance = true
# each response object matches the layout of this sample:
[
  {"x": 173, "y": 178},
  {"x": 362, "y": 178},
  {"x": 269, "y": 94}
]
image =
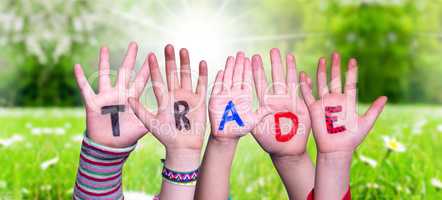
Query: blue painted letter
[{"x": 233, "y": 117}]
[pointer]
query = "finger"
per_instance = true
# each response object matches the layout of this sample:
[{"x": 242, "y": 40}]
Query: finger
[
  {"x": 157, "y": 80},
  {"x": 277, "y": 72},
  {"x": 309, "y": 82},
  {"x": 292, "y": 77},
  {"x": 238, "y": 71},
  {"x": 104, "y": 82},
  {"x": 142, "y": 113},
  {"x": 373, "y": 112},
  {"x": 228, "y": 73},
  {"x": 259, "y": 78},
  {"x": 218, "y": 85},
  {"x": 186, "y": 78},
  {"x": 141, "y": 79},
  {"x": 171, "y": 71},
  {"x": 321, "y": 76},
  {"x": 306, "y": 89},
  {"x": 335, "y": 82},
  {"x": 201, "y": 87},
  {"x": 351, "y": 79},
  {"x": 247, "y": 79},
  {"x": 125, "y": 72},
  {"x": 86, "y": 91}
]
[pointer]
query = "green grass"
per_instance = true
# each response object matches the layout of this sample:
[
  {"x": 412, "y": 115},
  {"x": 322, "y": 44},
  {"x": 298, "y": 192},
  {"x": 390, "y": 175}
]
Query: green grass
[{"x": 401, "y": 176}]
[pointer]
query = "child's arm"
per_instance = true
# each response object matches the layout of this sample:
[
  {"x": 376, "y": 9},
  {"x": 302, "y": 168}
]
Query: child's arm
[
  {"x": 215, "y": 169},
  {"x": 231, "y": 117},
  {"x": 112, "y": 128},
  {"x": 337, "y": 128},
  {"x": 284, "y": 134},
  {"x": 179, "y": 123}
]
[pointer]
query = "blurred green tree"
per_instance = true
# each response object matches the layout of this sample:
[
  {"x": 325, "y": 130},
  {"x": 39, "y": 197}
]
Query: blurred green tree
[
  {"x": 381, "y": 37},
  {"x": 426, "y": 81},
  {"x": 391, "y": 42},
  {"x": 41, "y": 39}
]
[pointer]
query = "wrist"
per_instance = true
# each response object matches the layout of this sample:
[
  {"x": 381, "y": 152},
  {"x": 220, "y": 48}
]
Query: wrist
[
  {"x": 222, "y": 142},
  {"x": 107, "y": 150},
  {"x": 182, "y": 159},
  {"x": 290, "y": 159},
  {"x": 335, "y": 158},
  {"x": 332, "y": 174},
  {"x": 115, "y": 142}
]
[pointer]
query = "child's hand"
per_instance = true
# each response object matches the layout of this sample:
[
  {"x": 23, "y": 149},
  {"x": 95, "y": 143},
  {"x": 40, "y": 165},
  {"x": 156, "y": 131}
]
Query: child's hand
[
  {"x": 231, "y": 102},
  {"x": 290, "y": 111},
  {"x": 180, "y": 121},
  {"x": 110, "y": 120},
  {"x": 336, "y": 124}
]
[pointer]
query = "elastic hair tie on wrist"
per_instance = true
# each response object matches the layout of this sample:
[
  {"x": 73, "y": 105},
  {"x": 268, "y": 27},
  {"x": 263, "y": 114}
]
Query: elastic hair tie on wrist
[{"x": 179, "y": 178}]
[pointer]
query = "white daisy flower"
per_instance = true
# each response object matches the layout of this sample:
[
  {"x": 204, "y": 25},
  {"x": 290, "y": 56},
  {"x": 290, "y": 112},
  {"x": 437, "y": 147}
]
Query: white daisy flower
[
  {"x": 3, "y": 184},
  {"x": 59, "y": 131},
  {"x": 373, "y": 185},
  {"x": 77, "y": 138},
  {"x": 46, "y": 164},
  {"x": 36, "y": 131},
  {"x": 436, "y": 183},
  {"x": 10, "y": 141},
  {"x": 393, "y": 145},
  {"x": 369, "y": 161},
  {"x": 439, "y": 128}
]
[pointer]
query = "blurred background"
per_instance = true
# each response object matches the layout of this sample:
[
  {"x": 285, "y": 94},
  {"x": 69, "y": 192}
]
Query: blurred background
[{"x": 398, "y": 44}]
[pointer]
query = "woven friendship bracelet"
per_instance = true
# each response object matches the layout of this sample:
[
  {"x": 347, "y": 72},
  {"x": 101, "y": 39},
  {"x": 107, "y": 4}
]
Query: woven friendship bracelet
[{"x": 179, "y": 178}]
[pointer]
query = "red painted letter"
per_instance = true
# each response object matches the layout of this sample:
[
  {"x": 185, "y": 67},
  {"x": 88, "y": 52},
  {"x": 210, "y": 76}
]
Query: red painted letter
[
  {"x": 329, "y": 119},
  {"x": 288, "y": 136}
]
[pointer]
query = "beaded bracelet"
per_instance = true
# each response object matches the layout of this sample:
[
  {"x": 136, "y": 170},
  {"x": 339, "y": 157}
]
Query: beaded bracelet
[{"x": 179, "y": 178}]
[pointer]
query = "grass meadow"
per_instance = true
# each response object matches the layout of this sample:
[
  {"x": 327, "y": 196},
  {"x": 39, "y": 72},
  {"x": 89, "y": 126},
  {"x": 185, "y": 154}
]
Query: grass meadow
[{"x": 39, "y": 151}]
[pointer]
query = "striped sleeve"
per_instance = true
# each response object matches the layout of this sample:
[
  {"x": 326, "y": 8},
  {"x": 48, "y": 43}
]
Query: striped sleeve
[{"x": 99, "y": 173}]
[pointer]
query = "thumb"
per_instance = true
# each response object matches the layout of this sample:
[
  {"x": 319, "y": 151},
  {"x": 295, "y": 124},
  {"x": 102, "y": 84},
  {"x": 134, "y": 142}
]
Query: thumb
[
  {"x": 374, "y": 111},
  {"x": 142, "y": 113}
]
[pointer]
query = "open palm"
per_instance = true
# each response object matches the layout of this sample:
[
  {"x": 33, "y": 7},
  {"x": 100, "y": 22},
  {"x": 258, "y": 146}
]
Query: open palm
[
  {"x": 335, "y": 121},
  {"x": 100, "y": 126},
  {"x": 233, "y": 88},
  {"x": 292, "y": 137},
  {"x": 173, "y": 132}
]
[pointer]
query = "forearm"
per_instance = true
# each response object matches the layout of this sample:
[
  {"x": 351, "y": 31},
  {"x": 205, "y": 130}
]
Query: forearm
[
  {"x": 100, "y": 171},
  {"x": 332, "y": 175},
  {"x": 180, "y": 161},
  {"x": 297, "y": 174},
  {"x": 215, "y": 170}
]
